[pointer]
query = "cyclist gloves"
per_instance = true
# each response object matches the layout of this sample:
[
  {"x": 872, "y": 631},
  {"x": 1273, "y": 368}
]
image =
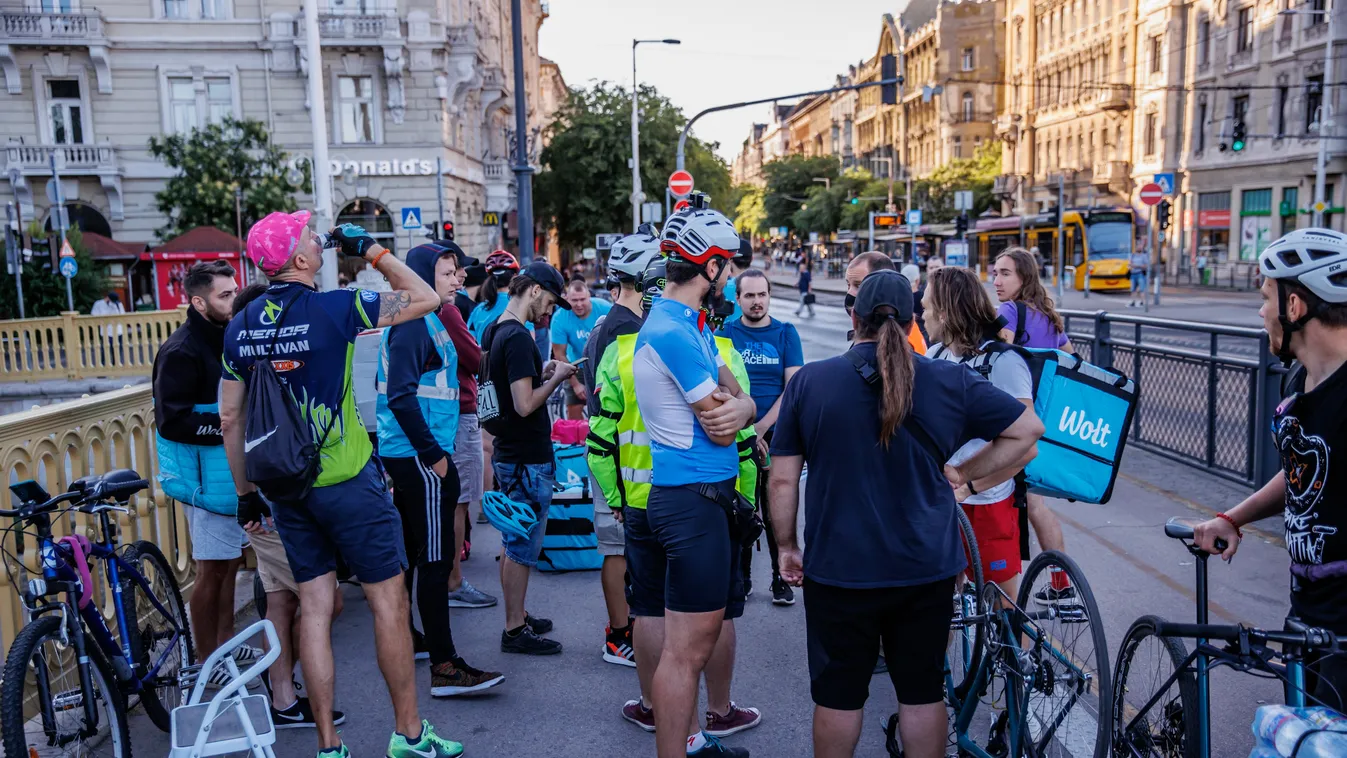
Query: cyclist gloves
[
  {"x": 354, "y": 240},
  {"x": 252, "y": 508}
]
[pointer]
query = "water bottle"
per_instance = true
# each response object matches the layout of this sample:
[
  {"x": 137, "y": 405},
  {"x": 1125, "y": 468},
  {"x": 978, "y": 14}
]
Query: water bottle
[
  {"x": 327, "y": 241},
  {"x": 1282, "y": 727}
]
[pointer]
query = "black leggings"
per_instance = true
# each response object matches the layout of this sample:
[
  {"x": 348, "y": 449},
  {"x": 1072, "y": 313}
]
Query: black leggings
[
  {"x": 426, "y": 503},
  {"x": 746, "y": 558}
]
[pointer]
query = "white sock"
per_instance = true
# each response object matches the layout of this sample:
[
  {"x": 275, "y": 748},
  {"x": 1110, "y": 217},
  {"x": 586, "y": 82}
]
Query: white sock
[{"x": 696, "y": 742}]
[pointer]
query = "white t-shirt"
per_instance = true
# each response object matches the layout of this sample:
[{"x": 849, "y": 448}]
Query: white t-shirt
[{"x": 1010, "y": 374}]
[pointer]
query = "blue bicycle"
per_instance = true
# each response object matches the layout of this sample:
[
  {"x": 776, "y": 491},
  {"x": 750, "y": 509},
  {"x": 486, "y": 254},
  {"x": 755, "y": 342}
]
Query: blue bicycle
[
  {"x": 68, "y": 677},
  {"x": 1162, "y": 698}
]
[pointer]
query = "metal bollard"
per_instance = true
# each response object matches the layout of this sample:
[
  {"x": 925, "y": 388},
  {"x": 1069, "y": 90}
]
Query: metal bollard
[
  {"x": 1087, "y": 284},
  {"x": 1155, "y": 286}
]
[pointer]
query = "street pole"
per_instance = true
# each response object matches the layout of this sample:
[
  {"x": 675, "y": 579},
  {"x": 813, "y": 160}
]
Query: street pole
[
  {"x": 635, "y": 147},
  {"x": 872, "y": 232},
  {"x": 439, "y": 193},
  {"x": 238, "y": 231},
  {"x": 1061, "y": 232},
  {"x": 523, "y": 171},
  {"x": 16, "y": 240},
  {"x": 319, "y": 168},
  {"x": 911, "y": 230},
  {"x": 1155, "y": 253},
  {"x": 1325, "y": 121},
  {"x": 60, "y": 221}
]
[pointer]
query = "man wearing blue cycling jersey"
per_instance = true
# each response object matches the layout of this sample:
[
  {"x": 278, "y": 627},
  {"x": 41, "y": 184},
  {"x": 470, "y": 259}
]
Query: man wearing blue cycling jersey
[{"x": 684, "y": 566}]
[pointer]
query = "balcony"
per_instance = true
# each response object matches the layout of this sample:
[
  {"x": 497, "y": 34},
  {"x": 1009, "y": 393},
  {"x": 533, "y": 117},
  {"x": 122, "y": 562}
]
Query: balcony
[
  {"x": 1007, "y": 125},
  {"x": 23, "y": 161},
  {"x": 496, "y": 171},
  {"x": 354, "y": 28},
  {"x": 1108, "y": 173},
  {"x": 1005, "y": 185},
  {"x": 1115, "y": 97},
  {"x": 22, "y": 28}
]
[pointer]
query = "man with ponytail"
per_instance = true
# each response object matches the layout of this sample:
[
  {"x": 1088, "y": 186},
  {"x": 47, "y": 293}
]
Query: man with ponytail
[{"x": 877, "y": 427}]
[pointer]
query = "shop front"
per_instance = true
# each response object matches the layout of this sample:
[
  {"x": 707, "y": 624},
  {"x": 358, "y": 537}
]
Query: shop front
[{"x": 171, "y": 261}]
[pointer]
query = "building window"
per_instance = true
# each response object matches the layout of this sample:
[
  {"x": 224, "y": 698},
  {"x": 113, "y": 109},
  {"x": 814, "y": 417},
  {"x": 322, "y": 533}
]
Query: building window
[
  {"x": 1314, "y": 99},
  {"x": 66, "y": 110},
  {"x": 1317, "y": 7},
  {"x": 1283, "y": 94},
  {"x": 356, "y": 97},
  {"x": 1148, "y": 138},
  {"x": 212, "y": 9},
  {"x": 1244, "y": 33},
  {"x": 968, "y": 59},
  {"x": 175, "y": 9},
  {"x": 958, "y": 146},
  {"x": 182, "y": 104},
  {"x": 219, "y": 99},
  {"x": 193, "y": 103},
  {"x": 967, "y": 106},
  {"x": 1203, "y": 42},
  {"x": 57, "y": 6},
  {"x": 1157, "y": 43},
  {"x": 1200, "y": 128},
  {"x": 1290, "y": 199}
]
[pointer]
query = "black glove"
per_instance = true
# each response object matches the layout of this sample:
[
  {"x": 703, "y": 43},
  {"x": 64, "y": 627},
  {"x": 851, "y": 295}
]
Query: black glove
[
  {"x": 252, "y": 508},
  {"x": 354, "y": 240}
]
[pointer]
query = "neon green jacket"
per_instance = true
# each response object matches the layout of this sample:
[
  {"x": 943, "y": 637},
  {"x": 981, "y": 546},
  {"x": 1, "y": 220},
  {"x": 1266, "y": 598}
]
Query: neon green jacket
[{"x": 619, "y": 446}]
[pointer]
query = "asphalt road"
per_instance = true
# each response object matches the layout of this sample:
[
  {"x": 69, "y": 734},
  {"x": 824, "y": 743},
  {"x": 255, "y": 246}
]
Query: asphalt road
[{"x": 568, "y": 705}]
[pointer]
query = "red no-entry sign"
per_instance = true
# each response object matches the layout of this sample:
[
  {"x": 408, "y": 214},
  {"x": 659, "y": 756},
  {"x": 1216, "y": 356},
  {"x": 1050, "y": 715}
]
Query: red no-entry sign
[
  {"x": 1152, "y": 193},
  {"x": 680, "y": 205},
  {"x": 680, "y": 183}
]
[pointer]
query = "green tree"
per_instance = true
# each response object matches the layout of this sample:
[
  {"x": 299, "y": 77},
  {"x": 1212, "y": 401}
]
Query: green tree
[
  {"x": 790, "y": 183},
  {"x": 584, "y": 187},
  {"x": 211, "y": 163},
  {"x": 750, "y": 217},
  {"x": 44, "y": 287},
  {"x": 935, "y": 194}
]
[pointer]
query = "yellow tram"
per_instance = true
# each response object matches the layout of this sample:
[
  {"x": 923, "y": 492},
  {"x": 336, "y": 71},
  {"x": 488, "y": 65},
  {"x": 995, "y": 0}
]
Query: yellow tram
[{"x": 1098, "y": 241}]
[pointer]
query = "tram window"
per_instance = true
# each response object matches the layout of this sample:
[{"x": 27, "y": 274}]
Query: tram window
[
  {"x": 997, "y": 245},
  {"x": 1077, "y": 249}
]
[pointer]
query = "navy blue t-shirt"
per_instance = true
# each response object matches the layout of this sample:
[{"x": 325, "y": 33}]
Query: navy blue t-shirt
[
  {"x": 877, "y": 517},
  {"x": 767, "y": 351}
]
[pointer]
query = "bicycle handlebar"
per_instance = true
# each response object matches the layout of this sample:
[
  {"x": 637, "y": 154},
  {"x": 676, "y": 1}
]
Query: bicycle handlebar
[
  {"x": 46, "y": 507},
  {"x": 1299, "y": 634},
  {"x": 101, "y": 491}
]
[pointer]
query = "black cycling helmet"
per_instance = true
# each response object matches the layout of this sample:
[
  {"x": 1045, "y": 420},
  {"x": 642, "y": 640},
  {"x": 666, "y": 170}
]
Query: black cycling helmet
[{"x": 652, "y": 282}]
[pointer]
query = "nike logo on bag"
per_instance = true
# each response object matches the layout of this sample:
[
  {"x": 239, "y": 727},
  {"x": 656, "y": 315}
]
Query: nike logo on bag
[{"x": 250, "y": 444}]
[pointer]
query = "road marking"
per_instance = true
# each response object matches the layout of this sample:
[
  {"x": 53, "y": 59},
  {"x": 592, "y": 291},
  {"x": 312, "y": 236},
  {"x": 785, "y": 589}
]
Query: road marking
[{"x": 1276, "y": 539}]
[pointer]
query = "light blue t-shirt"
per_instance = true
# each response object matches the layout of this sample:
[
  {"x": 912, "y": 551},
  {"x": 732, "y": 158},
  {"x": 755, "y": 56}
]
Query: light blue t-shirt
[
  {"x": 483, "y": 317},
  {"x": 676, "y": 364},
  {"x": 572, "y": 331}
]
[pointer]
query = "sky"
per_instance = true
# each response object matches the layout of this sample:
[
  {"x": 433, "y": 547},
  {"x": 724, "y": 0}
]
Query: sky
[{"x": 731, "y": 51}]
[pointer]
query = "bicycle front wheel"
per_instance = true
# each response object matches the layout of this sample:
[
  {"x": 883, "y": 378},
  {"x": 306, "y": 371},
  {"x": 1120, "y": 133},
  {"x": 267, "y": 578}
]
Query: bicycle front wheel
[
  {"x": 1067, "y": 695},
  {"x": 160, "y": 644},
  {"x": 1150, "y": 668},
  {"x": 42, "y": 700},
  {"x": 964, "y": 651}
]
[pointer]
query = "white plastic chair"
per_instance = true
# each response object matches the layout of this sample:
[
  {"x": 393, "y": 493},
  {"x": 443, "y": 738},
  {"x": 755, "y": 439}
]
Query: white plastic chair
[{"x": 232, "y": 721}]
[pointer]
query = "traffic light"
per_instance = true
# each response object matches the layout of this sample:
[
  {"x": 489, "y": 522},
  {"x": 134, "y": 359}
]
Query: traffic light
[
  {"x": 961, "y": 224},
  {"x": 888, "y": 69},
  {"x": 1162, "y": 214},
  {"x": 855, "y": 201},
  {"x": 447, "y": 230},
  {"x": 1238, "y": 136}
]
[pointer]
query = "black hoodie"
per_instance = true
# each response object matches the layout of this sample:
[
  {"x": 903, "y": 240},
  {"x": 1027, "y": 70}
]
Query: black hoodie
[
  {"x": 411, "y": 353},
  {"x": 187, "y": 374}
]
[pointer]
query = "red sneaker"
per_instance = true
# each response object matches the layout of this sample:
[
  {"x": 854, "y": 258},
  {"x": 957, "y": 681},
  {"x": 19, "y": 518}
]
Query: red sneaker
[
  {"x": 639, "y": 715},
  {"x": 467, "y": 551},
  {"x": 737, "y": 720}
]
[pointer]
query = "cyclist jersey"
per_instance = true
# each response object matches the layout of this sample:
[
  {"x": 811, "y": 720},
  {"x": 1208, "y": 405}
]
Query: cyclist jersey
[
  {"x": 482, "y": 317},
  {"x": 677, "y": 364},
  {"x": 313, "y": 355},
  {"x": 767, "y": 352}
]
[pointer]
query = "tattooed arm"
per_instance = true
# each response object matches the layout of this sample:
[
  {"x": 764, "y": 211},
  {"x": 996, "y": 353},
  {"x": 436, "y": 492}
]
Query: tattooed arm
[{"x": 411, "y": 297}]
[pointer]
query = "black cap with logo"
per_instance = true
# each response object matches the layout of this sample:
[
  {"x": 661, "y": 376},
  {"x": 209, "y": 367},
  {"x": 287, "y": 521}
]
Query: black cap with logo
[{"x": 547, "y": 277}]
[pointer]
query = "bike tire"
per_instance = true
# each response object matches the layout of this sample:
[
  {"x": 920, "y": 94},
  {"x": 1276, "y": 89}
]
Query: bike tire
[
  {"x": 1175, "y": 733},
  {"x": 21, "y": 652},
  {"x": 259, "y": 596},
  {"x": 967, "y": 643},
  {"x": 1098, "y": 663},
  {"x": 161, "y": 700}
]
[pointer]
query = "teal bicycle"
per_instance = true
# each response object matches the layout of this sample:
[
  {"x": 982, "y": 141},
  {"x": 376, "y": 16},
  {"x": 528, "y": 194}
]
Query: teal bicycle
[{"x": 1041, "y": 666}]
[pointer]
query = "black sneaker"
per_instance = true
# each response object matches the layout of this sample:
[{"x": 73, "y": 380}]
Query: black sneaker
[
  {"x": 748, "y": 586},
  {"x": 1063, "y": 598},
  {"x": 266, "y": 682},
  {"x": 527, "y": 642},
  {"x": 539, "y": 626},
  {"x": 300, "y": 716},
  {"x": 782, "y": 594},
  {"x": 420, "y": 651}
]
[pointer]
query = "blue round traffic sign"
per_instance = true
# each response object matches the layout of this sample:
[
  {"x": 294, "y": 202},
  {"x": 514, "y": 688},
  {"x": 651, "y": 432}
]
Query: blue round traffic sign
[{"x": 69, "y": 268}]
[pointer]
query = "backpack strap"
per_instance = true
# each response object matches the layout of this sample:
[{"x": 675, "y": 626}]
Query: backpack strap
[
  {"x": 871, "y": 376},
  {"x": 939, "y": 351},
  {"x": 1021, "y": 310}
]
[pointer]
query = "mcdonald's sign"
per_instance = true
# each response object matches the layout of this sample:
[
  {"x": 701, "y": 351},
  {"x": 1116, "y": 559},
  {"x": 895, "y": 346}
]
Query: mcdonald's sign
[{"x": 490, "y": 218}]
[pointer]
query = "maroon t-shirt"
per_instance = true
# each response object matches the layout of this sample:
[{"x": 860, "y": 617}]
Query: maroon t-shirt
[{"x": 469, "y": 356}]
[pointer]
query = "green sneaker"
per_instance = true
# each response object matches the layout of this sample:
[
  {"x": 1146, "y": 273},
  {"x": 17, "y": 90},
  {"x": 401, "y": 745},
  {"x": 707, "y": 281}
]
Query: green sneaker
[
  {"x": 431, "y": 745},
  {"x": 337, "y": 752}
]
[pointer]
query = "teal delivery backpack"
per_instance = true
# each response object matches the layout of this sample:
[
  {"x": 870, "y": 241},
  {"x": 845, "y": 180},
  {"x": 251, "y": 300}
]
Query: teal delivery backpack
[{"x": 1086, "y": 413}]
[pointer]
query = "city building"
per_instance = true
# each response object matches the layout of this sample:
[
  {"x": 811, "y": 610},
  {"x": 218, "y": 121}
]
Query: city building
[{"x": 410, "y": 84}]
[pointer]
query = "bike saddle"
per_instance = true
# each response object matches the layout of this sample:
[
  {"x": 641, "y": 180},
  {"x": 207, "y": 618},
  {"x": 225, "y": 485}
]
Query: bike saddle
[
  {"x": 118, "y": 483},
  {"x": 1175, "y": 529}
]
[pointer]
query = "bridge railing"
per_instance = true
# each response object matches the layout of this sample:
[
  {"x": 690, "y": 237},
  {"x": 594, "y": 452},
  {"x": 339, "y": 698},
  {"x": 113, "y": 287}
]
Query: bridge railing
[
  {"x": 74, "y": 346},
  {"x": 1206, "y": 392},
  {"x": 58, "y": 444}
]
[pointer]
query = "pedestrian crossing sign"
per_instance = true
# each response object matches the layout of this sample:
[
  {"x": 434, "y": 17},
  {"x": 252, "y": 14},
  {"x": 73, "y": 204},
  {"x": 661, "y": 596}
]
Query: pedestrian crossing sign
[{"x": 411, "y": 218}]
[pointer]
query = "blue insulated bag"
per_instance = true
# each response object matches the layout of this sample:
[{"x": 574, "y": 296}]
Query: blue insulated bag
[
  {"x": 572, "y": 466},
  {"x": 197, "y": 475},
  {"x": 569, "y": 542},
  {"x": 1086, "y": 413}
]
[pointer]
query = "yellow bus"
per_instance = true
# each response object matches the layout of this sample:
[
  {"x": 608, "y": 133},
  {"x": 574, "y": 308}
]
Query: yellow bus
[{"x": 1097, "y": 240}]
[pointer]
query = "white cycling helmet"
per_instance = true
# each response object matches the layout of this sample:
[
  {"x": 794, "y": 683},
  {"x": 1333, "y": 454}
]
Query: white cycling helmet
[
  {"x": 697, "y": 235},
  {"x": 1316, "y": 259},
  {"x": 632, "y": 254}
]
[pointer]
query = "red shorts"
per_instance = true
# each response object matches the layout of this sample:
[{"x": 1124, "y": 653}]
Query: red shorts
[{"x": 997, "y": 529}]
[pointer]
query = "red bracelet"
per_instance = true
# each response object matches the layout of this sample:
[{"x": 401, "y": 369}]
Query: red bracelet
[
  {"x": 1226, "y": 517},
  {"x": 374, "y": 264}
]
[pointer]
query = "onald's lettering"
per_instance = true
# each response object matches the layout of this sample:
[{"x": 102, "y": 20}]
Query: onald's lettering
[{"x": 1090, "y": 431}]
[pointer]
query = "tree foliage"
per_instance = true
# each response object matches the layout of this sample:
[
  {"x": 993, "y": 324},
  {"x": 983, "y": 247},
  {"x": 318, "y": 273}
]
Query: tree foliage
[
  {"x": 790, "y": 181},
  {"x": 211, "y": 163},
  {"x": 935, "y": 194},
  {"x": 44, "y": 287},
  {"x": 584, "y": 187},
  {"x": 750, "y": 215}
]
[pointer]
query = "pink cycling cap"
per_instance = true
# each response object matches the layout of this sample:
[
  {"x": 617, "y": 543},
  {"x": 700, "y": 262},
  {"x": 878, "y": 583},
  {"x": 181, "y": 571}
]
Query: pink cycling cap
[{"x": 274, "y": 239}]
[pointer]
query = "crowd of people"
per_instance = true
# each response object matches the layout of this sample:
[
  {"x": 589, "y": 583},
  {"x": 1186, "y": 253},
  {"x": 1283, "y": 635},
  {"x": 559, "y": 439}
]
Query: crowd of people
[{"x": 703, "y": 421}]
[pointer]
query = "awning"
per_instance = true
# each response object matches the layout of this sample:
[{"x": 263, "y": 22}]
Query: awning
[
  {"x": 106, "y": 249},
  {"x": 202, "y": 239}
]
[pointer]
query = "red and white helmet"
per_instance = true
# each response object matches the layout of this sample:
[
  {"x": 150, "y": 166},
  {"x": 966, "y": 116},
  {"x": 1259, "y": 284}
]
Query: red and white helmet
[
  {"x": 697, "y": 235},
  {"x": 500, "y": 262}
]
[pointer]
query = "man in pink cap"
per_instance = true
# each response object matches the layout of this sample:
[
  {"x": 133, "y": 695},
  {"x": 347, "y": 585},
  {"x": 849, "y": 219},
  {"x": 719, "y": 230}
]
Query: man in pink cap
[{"x": 309, "y": 338}]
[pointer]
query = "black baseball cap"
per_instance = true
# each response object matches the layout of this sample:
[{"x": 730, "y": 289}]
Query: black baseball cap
[
  {"x": 476, "y": 274},
  {"x": 745, "y": 257},
  {"x": 884, "y": 289},
  {"x": 547, "y": 277},
  {"x": 464, "y": 260}
]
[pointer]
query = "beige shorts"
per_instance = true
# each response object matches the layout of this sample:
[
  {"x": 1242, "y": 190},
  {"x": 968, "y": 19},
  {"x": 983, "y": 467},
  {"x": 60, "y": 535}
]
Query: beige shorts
[
  {"x": 612, "y": 535},
  {"x": 272, "y": 564}
]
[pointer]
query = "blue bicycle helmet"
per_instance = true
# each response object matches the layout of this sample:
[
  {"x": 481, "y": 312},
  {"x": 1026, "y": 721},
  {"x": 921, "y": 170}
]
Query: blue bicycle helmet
[{"x": 507, "y": 515}]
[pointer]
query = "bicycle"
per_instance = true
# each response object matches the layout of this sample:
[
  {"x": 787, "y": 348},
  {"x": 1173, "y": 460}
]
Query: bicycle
[
  {"x": 66, "y": 661},
  {"x": 1055, "y": 694},
  {"x": 1173, "y": 719}
]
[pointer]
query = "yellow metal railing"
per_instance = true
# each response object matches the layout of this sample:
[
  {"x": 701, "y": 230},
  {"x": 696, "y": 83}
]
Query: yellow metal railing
[
  {"x": 72, "y": 346},
  {"x": 60, "y": 443}
]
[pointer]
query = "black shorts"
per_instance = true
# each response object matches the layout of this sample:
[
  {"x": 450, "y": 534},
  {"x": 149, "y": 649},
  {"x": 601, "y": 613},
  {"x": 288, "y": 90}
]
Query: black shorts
[
  {"x": 845, "y": 628},
  {"x": 680, "y": 556},
  {"x": 426, "y": 503}
]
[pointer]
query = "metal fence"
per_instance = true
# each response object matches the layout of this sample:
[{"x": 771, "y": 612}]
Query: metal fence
[{"x": 1206, "y": 392}]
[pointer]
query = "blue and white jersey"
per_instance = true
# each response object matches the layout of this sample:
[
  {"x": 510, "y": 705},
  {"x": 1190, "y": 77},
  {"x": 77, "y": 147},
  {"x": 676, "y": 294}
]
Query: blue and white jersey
[{"x": 677, "y": 364}]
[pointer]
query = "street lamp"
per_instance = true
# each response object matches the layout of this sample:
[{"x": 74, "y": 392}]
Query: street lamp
[
  {"x": 827, "y": 183},
  {"x": 1326, "y": 120},
  {"x": 636, "y": 195}
]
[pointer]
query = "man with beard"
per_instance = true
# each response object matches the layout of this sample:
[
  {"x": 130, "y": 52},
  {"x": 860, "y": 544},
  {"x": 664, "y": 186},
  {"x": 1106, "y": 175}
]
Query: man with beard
[
  {"x": 191, "y": 452},
  {"x": 772, "y": 355}
]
